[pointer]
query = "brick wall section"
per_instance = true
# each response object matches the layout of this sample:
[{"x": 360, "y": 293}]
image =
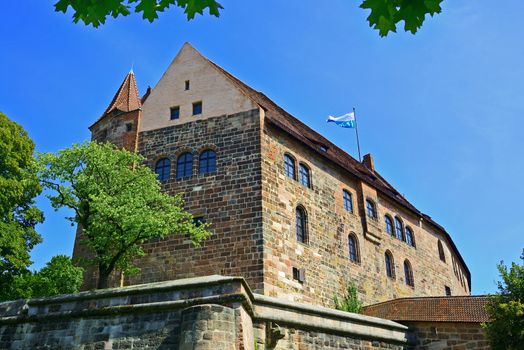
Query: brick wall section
[
  {"x": 447, "y": 335},
  {"x": 229, "y": 199},
  {"x": 325, "y": 257}
]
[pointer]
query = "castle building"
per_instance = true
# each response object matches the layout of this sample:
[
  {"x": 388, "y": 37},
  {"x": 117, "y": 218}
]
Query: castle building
[{"x": 291, "y": 212}]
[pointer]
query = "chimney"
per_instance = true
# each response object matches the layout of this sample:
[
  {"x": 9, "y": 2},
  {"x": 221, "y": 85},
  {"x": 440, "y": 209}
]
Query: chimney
[{"x": 369, "y": 162}]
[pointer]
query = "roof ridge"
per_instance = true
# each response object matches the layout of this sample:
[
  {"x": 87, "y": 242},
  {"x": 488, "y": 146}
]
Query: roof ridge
[{"x": 338, "y": 155}]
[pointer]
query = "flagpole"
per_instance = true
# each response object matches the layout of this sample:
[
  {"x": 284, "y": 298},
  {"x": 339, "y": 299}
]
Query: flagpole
[{"x": 356, "y": 131}]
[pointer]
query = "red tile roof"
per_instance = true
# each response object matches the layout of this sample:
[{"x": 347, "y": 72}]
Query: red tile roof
[
  {"x": 285, "y": 121},
  {"x": 126, "y": 98},
  {"x": 432, "y": 309}
]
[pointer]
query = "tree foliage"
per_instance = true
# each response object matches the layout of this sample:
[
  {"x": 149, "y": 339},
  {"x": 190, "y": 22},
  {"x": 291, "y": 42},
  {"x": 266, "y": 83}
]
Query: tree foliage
[
  {"x": 384, "y": 15},
  {"x": 350, "y": 301},
  {"x": 117, "y": 202},
  {"x": 19, "y": 186},
  {"x": 505, "y": 330},
  {"x": 59, "y": 276}
]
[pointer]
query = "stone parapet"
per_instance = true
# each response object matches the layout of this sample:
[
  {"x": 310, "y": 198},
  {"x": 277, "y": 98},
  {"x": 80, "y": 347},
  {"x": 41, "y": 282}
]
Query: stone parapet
[{"x": 212, "y": 312}]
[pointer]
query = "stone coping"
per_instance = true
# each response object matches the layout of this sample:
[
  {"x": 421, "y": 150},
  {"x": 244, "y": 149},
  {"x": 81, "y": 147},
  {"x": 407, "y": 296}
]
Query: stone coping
[
  {"x": 154, "y": 287},
  {"x": 180, "y": 294},
  {"x": 326, "y": 312}
]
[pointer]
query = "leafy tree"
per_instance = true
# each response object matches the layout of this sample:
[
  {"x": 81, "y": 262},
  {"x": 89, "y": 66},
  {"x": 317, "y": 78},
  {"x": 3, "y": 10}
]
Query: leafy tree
[
  {"x": 505, "y": 330},
  {"x": 59, "y": 276},
  {"x": 384, "y": 16},
  {"x": 117, "y": 201},
  {"x": 18, "y": 214},
  {"x": 349, "y": 301}
]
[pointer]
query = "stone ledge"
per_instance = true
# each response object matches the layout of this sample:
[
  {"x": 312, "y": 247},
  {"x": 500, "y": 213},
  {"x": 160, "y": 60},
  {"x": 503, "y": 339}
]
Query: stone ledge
[{"x": 332, "y": 321}]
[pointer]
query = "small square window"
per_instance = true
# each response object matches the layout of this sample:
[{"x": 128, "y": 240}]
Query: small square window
[
  {"x": 187, "y": 85},
  {"x": 198, "y": 220},
  {"x": 197, "y": 108},
  {"x": 129, "y": 126},
  {"x": 175, "y": 112}
]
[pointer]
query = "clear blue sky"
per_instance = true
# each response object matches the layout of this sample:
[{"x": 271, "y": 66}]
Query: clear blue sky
[{"x": 441, "y": 111}]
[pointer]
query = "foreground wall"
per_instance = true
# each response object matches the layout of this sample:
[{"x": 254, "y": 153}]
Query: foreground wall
[{"x": 199, "y": 313}]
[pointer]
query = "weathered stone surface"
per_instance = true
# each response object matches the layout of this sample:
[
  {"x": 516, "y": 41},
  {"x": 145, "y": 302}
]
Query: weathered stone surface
[{"x": 199, "y": 313}]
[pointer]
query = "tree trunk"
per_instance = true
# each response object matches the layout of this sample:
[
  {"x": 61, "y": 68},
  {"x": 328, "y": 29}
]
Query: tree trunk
[{"x": 103, "y": 278}]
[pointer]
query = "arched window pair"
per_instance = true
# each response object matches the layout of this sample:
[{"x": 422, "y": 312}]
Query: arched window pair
[
  {"x": 304, "y": 174},
  {"x": 390, "y": 269},
  {"x": 184, "y": 165}
]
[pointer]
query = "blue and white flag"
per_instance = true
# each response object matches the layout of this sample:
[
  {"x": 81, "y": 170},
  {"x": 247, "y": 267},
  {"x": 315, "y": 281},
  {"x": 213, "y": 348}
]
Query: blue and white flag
[{"x": 345, "y": 121}]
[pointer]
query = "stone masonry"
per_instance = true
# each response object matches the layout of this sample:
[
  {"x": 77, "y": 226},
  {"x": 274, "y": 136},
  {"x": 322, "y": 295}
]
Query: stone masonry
[
  {"x": 251, "y": 203},
  {"x": 206, "y": 313}
]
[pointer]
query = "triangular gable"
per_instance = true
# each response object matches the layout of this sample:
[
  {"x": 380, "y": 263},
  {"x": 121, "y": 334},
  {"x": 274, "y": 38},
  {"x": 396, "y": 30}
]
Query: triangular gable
[{"x": 219, "y": 96}]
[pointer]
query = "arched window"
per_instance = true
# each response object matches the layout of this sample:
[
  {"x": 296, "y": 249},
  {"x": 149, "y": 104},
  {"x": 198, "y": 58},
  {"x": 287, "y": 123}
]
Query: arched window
[
  {"x": 354, "y": 253},
  {"x": 389, "y": 225},
  {"x": 304, "y": 175},
  {"x": 399, "y": 229},
  {"x": 289, "y": 166},
  {"x": 408, "y": 274},
  {"x": 301, "y": 225},
  {"x": 184, "y": 165},
  {"x": 390, "y": 264},
  {"x": 163, "y": 169},
  {"x": 410, "y": 238},
  {"x": 207, "y": 162},
  {"x": 348, "y": 201},
  {"x": 441, "y": 254},
  {"x": 371, "y": 209}
]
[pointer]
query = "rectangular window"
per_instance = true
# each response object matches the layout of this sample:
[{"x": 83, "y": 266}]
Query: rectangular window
[
  {"x": 187, "y": 84},
  {"x": 129, "y": 126},
  {"x": 299, "y": 274},
  {"x": 175, "y": 112},
  {"x": 448, "y": 291},
  {"x": 197, "y": 108}
]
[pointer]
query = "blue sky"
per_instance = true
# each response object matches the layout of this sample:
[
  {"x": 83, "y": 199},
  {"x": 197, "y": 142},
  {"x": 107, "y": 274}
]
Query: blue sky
[{"x": 440, "y": 111}]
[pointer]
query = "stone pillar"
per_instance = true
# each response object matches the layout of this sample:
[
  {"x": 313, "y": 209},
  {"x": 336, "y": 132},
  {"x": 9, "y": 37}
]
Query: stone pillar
[{"x": 208, "y": 327}]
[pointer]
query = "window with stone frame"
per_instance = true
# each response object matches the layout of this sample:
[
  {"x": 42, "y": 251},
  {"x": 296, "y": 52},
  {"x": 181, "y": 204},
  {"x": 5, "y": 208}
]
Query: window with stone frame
[
  {"x": 371, "y": 209},
  {"x": 197, "y": 108},
  {"x": 354, "y": 251},
  {"x": 389, "y": 225},
  {"x": 441, "y": 253},
  {"x": 163, "y": 169},
  {"x": 301, "y": 224},
  {"x": 390, "y": 264},
  {"x": 289, "y": 166},
  {"x": 207, "y": 162},
  {"x": 408, "y": 274},
  {"x": 184, "y": 165},
  {"x": 410, "y": 238},
  {"x": 304, "y": 175},
  {"x": 348, "y": 201},
  {"x": 399, "y": 229}
]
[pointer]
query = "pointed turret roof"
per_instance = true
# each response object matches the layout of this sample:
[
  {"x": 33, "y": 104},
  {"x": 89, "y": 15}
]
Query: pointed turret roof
[{"x": 126, "y": 98}]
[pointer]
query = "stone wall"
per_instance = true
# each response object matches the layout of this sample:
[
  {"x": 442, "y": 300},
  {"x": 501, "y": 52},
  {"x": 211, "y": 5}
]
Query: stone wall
[
  {"x": 325, "y": 256},
  {"x": 447, "y": 335},
  {"x": 229, "y": 199},
  {"x": 199, "y": 313}
]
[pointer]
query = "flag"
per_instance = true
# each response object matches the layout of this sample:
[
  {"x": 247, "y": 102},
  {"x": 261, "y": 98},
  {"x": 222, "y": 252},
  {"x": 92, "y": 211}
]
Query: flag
[{"x": 345, "y": 121}]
